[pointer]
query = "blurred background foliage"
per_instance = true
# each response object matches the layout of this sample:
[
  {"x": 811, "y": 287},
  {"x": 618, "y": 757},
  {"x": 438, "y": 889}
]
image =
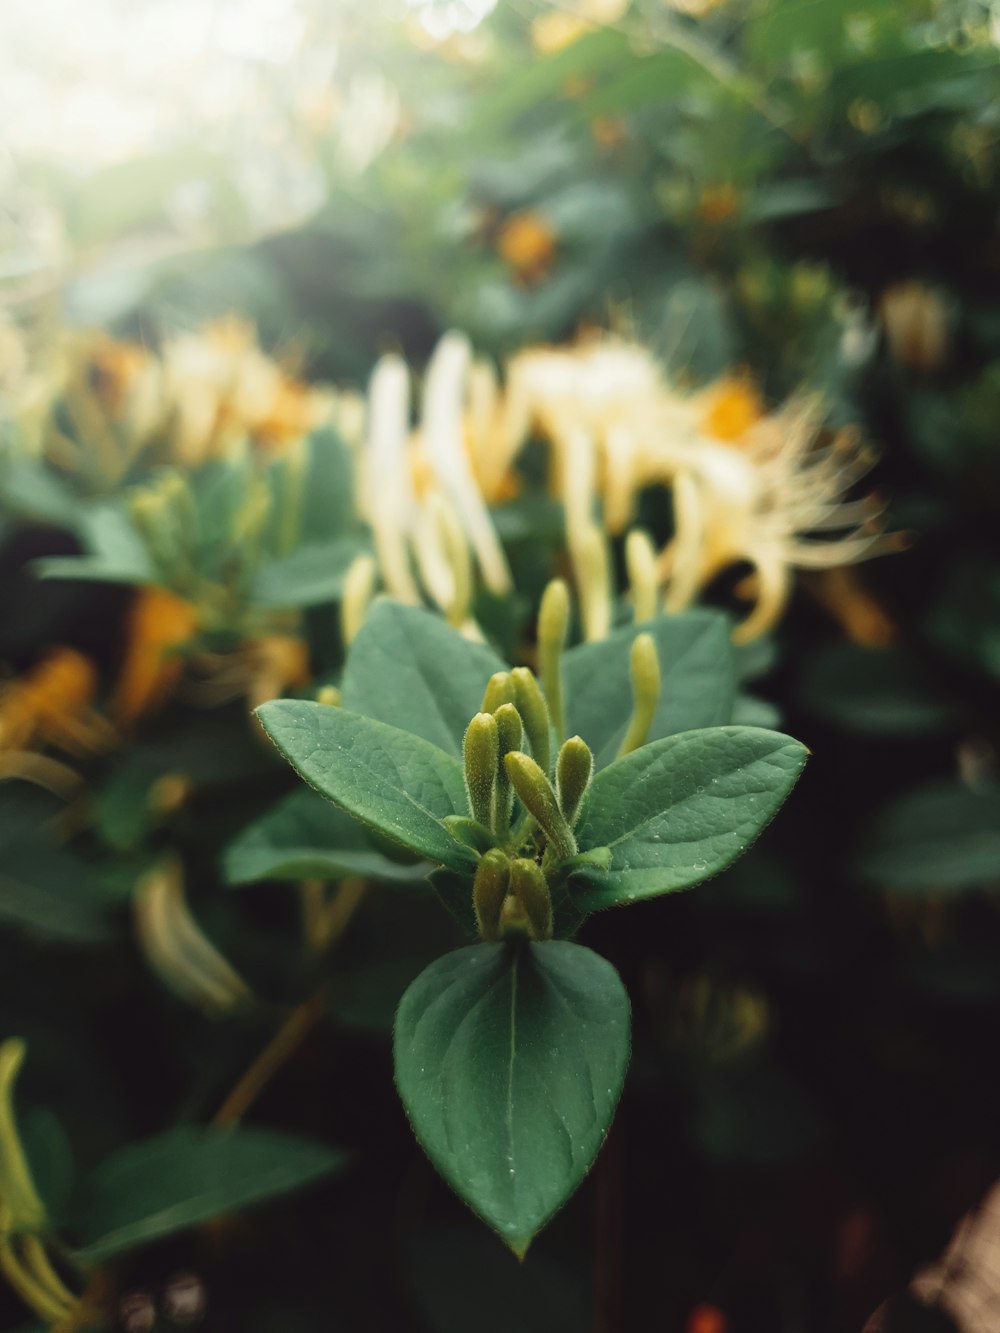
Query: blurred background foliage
[{"x": 215, "y": 219}]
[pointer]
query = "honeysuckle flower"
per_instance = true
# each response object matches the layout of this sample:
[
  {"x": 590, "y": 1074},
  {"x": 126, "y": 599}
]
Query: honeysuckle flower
[
  {"x": 24, "y": 1253},
  {"x": 113, "y": 405},
  {"x": 53, "y": 703},
  {"x": 763, "y": 498},
  {"x": 179, "y": 950},
  {"x": 748, "y": 485},
  {"x": 158, "y": 626},
  {"x": 419, "y": 489}
]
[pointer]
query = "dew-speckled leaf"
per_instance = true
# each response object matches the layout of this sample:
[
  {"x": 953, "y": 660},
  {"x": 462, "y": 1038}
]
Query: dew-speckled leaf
[
  {"x": 698, "y": 681},
  {"x": 305, "y": 836},
  {"x": 393, "y": 781},
  {"x": 166, "y": 1184},
  {"x": 409, "y": 668},
  {"x": 681, "y": 809},
  {"x": 510, "y": 1060}
]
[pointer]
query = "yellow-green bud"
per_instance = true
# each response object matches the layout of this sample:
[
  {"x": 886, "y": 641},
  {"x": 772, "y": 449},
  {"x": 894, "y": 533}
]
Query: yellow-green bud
[
  {"x": 574, "y": 767},
  {"x": 489, "y": 890},
  {"x": 528, "y": 886},
  {"x": 482, "y": 753},
  {"x": 510, "y": 733},
  {"x": 640, "y": 562},
  {"x": 329, "y": 695},
  {"x": 535, "y": 791},
  {"x": 499, "y": 690},
  {"x": 535, "y": 714},
  {"x": 644, "y": 668},
  {"x": 553, "y": 627}
]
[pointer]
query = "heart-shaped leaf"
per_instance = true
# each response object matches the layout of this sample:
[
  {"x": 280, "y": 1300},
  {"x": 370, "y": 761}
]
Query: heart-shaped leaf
[
  {"x": 304, "y": 836},
  {"x": 697, "y": 674},
  {"x": 681, "y": 809},
  {"x": 393, "y": 781},
  {"x": 409, "y": 668},
  {"x": 510, "y": 1060},
  {"x": 165, "y": 1184}
]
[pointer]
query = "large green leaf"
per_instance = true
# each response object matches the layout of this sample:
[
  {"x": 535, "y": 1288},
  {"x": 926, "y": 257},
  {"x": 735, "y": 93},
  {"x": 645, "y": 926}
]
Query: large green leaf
[
  {"x": 304, "y": 836},
  {"x": 391, "y": 780},
  {"x": 165, "y": 1184},
  {"x": 510, "y": 1059},
  {"x": 681, "y": 809},
  {"x": 697, "y": 673},
  {"x": 941, "y": 838},
  {"x": 411, "y": 669}
]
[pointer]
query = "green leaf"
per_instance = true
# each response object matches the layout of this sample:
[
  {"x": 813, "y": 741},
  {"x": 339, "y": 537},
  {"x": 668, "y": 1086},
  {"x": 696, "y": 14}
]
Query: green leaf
[
  {"x": 393, "y": 781},
  {"x": 409, "y": 668},
  {"x": 176, "y": 1180},
  {"x": 510, "y": 1060},
  {"x": 941, "y": 838},
  {"x": 115, "y": 551},
  {"x": 308, "y": 576},
  {"x": 697, "y": 689},
  {"x": 305, "y": 837},
  {"x": 681, "y": 809}
]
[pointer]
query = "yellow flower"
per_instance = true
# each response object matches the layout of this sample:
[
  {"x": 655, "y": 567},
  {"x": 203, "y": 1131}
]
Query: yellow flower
[
  {"x": 157, "y": 626},
  {"x": 418, "y": 488},
  {"x": 748, "y": 485},
  {"x": 763, "y": 499},
  {"x": 527, "y": 244},
  {"x": 53, "y": 704}
]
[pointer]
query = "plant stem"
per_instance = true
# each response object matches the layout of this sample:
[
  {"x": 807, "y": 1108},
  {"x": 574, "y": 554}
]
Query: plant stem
[{"x": 282, "y": 1046}]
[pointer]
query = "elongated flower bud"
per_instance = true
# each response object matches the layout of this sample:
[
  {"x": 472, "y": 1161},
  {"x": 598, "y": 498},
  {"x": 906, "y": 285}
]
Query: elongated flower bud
[
  {"x": 553, "y": 626},
  {"x": 535, "y": 791},
  {"x": 499, "y": 690},
  {"x": 640, "y": 562},
  {"x": 644, "y": 668},
  {"x": 534, "y": 713},
  {"x": 359, "y": 588},
  {"x": 489, "y": 890},
  {"x": 529, "y": 887},
  {"x": 482, "y": 751},
  {"x": 592, "y": 564},
  {"x": 574, "y": 767},
  {"x": 510, "y": 734}
]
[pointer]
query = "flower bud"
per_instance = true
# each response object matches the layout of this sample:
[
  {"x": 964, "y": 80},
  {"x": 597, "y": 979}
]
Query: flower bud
[
  {"x": 528, "y": 886},
  {"x": 510, "y": 733},
  {"x": 534, "y": 713},
  {"x": 481, "y": 750},
  {"x": 574, "y": 767},
  {"x": 644, "y": 668},
  {"x": 553, "y": 627},
  {"x": 499, "y": 690},
  {"x": 359, "y": 588},
  {"x": 535, "y": 791},
  {"x": 489, "y": 890},
  {"x": 640, "y": 562}
]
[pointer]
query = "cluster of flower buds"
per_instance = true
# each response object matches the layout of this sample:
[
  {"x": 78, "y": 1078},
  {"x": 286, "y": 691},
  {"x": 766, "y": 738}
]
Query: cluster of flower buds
[{"x": 509, "y": 753}]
